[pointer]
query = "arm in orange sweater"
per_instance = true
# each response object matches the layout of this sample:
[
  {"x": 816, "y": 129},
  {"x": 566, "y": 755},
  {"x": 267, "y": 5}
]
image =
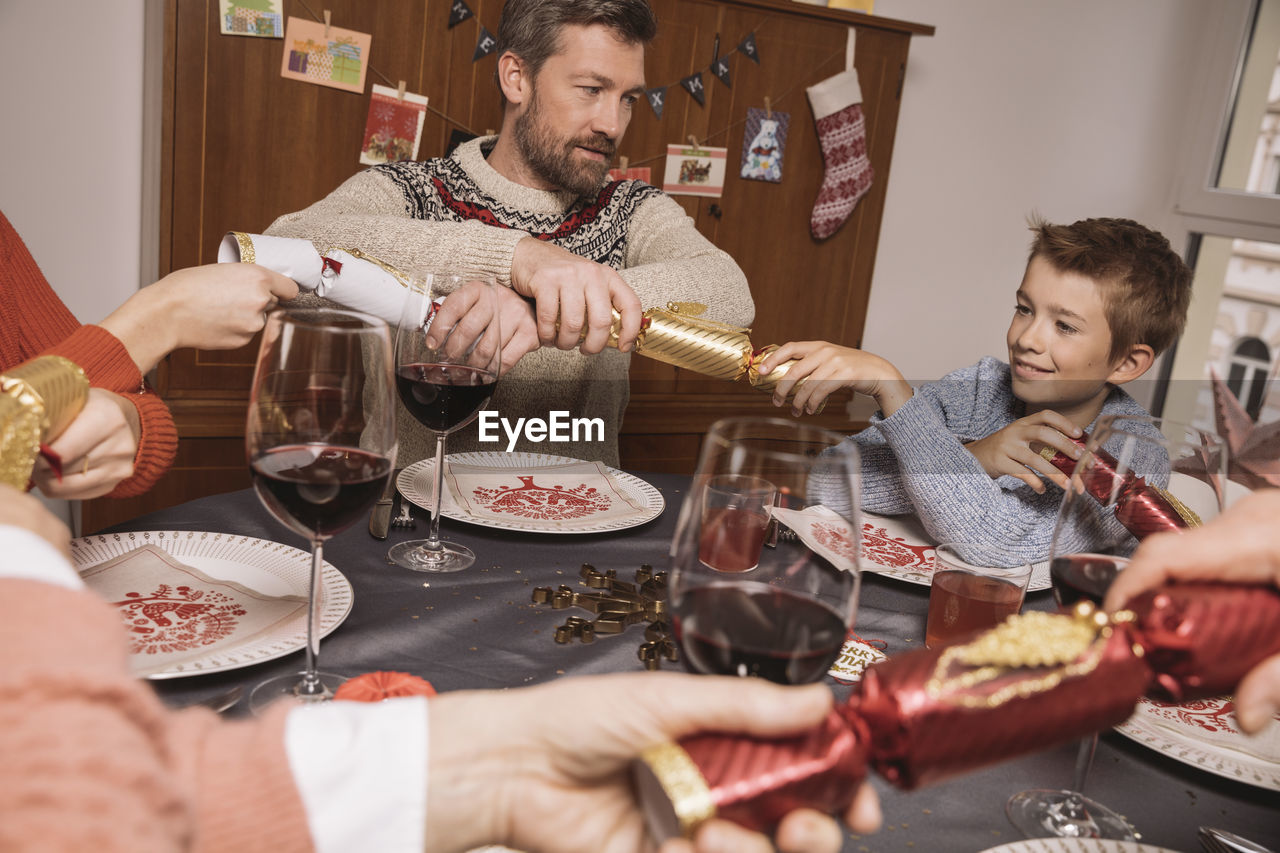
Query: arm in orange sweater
[{"x": 36, "y": 322}]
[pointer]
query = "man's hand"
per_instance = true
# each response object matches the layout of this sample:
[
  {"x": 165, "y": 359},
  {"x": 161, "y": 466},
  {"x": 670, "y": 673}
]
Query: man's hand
[
  {"x": 577, "y": 292},
  {"x": 97, "y": 449},
  {"x": 22, "y": 510},
  {"x": 467, "y": 313},
  {"x": 826, "y": 368},
  {"x": 1015, "y": 449},
  {"x": 548, "y": 767}
]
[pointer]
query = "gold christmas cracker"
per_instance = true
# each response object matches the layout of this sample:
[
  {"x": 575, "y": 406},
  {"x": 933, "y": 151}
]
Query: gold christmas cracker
[{"x": 38, "y": 399}]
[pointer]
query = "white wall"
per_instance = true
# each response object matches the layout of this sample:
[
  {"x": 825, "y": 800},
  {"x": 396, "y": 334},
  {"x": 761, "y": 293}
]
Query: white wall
[
  {"x": 1073, "y": 109},
  {"x": 71, "y": 150}
]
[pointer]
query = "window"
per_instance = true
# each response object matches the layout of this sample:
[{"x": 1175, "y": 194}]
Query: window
[{"x": 1230, "y": 201}]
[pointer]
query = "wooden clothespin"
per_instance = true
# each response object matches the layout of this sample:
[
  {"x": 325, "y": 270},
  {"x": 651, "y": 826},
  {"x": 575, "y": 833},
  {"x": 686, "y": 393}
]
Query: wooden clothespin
[
  {"x": 693, "y": 141},
  {"x": 327, "y": 18},
  {"x": 488, "y": 131},
  {"x": 768, "y": 107},
  {"x": 400, "y": 92},
  {"x": 622, "y": 163}
]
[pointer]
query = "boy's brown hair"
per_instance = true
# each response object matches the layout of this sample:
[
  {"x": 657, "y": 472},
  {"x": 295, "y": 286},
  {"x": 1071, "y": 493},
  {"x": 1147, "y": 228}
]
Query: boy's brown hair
[{"x": 1145, "y": 286}]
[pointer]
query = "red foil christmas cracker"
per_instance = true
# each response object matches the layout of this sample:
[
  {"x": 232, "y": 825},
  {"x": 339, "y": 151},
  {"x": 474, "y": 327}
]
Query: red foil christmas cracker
[
  {"x": 1142, "y": 508},
  {"x": 1036, "y": 681},
  {"x": 936, "y": 713},
  {"x": 1201, "y": 638}
]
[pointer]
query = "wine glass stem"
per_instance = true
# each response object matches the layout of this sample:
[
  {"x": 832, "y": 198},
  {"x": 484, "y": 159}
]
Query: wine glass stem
[
  {"x": 433, "y": 537},
  {"x": 1084, "y": 760},
  {"x": 310, "y": 680}
]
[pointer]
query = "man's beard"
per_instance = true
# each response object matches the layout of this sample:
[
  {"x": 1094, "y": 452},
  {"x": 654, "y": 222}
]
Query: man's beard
[{"x": 552, "y": 158}]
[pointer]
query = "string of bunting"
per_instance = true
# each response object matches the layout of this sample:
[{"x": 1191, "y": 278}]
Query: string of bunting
[{"x": 656, "y": 96}]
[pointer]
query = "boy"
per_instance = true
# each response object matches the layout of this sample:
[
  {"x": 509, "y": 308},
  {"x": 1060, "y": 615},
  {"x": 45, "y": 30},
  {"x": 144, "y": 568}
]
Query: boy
[{"x": 1100, "y": 299}]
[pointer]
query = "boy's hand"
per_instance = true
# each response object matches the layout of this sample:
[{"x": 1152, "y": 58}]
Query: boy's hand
[
  {"x": 826, "y": 368},
  {"x": 1015, "y": 449}
]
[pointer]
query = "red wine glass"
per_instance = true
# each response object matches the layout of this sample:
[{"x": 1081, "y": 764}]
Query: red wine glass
[
  {"x": 448, "y": 355},
  {"x": 321, "y": 442},
  {"x": 764, "y": 562},
  {"x": 1138, "y": 476}
]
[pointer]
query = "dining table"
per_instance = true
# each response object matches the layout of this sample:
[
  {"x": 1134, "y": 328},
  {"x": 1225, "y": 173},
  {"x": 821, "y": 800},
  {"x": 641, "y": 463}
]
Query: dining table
[{"x": 482, "y": 629}]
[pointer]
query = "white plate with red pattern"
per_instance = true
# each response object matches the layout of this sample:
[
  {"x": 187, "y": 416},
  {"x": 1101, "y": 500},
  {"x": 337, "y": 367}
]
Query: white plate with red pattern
[
  {"x": 180, "y": 612},
  {"x": 527, "y": 494},
  {"x": 1205, "y": 734},
  {"x": 897, "y": 546}
]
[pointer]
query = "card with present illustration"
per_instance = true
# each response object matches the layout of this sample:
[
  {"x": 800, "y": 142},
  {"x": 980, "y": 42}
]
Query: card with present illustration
[
  {"x": 325, "y": 55},
  {"x": 261, "y": 18}
]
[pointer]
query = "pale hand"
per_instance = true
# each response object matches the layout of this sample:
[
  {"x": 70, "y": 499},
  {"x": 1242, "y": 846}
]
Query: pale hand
[
  {"x": 213, "y": 307},
  {"x": 547, "y": 768},
  {"x": 1240, "y": 546},
  {"x": 828, "y": 367},
  {"x": 1015, "y": 449},
  {"x": 97, "y": 449},
  {"x": 576, "y": 292},
  {"x": 518, "y": 330},
  {"x": 18, "y": 509}
]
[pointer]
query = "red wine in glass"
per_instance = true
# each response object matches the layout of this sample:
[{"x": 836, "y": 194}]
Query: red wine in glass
[
  {"x": 754, "y": 629},
  {"x": 318, "y": 490},
  {"x": 1083, "y": 577},
  {"x": 320, "y": 441},
  {"x": 446, "y": 373},
  {"x": 444, "y": 397}
]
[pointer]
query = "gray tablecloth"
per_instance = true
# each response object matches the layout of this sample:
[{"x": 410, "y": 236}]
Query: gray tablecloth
[{"x": 479, "y": 629}]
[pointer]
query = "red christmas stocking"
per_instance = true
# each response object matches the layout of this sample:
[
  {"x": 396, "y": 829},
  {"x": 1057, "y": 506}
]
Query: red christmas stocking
[{"x": 842, "y": 132}]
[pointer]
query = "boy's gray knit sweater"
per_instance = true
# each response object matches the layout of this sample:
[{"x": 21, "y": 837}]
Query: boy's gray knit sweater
[{"x": 916, "y": 461}]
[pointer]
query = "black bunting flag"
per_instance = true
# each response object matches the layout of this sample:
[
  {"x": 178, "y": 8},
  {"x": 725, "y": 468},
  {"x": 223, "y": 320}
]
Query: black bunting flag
[
  {"x": 656, "y": 98},
  {"x": 485, "y": 45},
  {"x": 720, "y": 68},
  {"x": 693, "y": 85},
  {"x": 748, "y": 47},
  {"x": 459, "y": 11}
]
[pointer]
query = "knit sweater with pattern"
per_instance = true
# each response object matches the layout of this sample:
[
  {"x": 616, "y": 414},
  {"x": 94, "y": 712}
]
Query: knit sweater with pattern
[
  {"x": 459, "y": 212},
  {"x": 36, "y": 322},
  {"x": 915, "y": 461}
]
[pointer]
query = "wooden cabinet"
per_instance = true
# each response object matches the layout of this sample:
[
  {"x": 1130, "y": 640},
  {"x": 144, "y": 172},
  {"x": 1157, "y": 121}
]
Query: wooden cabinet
[{"x": 242, "y": 145}]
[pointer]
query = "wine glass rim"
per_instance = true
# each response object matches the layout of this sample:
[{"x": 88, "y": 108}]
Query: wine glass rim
[
  {"x": 1117, "y": 424},
  {"x": 314, "y": 318},
  {"x": 720, "y": 434}
]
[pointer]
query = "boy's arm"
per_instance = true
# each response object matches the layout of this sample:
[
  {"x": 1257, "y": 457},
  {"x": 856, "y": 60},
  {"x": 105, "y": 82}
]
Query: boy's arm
[
  {"x": 955, "y": 498},
  {"x": 827, "y": 367}
]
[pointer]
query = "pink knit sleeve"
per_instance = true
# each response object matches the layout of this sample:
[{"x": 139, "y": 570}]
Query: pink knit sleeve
[{"x": 93, "y": 760}]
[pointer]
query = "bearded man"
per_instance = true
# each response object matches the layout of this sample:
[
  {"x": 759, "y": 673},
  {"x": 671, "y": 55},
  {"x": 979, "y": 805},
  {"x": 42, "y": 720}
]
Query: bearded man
[{"x": 534, "y": 207}]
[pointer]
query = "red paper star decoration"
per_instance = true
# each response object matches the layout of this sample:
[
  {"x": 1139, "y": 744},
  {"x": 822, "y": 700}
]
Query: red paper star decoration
[{"x": 1255, "y": 448}]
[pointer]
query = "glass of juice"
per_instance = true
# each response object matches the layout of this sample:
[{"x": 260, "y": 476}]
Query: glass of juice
[{"x": 972, "y": 588}]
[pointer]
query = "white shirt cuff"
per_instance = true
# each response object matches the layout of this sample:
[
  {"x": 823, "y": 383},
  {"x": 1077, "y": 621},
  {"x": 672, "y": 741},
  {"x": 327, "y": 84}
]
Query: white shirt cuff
[
  {"x": 28, "y": 557},
  {"x": 361, "y": 769}
]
